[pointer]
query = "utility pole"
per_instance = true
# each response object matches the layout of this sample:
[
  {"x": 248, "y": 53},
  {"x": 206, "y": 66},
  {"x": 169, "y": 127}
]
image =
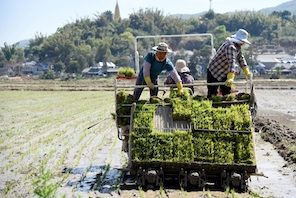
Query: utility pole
[{"x": 210, "y": 4}]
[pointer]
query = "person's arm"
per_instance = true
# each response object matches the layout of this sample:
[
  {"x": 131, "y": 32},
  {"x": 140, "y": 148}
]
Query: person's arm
[
  {"x": 243, "y": 64},
  {"x": 230, "y": 55},
  {"x": 175, "y": 76},
  {"x": 146, "y": 74},
  {"x": 169, "y": 80}
]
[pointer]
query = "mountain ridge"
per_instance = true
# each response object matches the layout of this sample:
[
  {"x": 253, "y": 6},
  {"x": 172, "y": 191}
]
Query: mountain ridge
[{"x": 289, "y": 6}]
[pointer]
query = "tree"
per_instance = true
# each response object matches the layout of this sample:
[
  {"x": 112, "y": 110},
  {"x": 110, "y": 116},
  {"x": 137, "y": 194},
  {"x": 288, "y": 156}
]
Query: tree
[
  {"x": 48, "y": 74},
  {"x": 9, "y": 51},
  {"x": 220, "y": 35},
  {"x": 19, "y": 55},
  {"x": 102, "y": 50},
  {"x": 191, "y": 25},
  {"x": 210, "y": 15},
  {"x": 59, "y": 67},
  {"x": 73, "y": 66},
  {"x": 108, "y": 38},
  {"x": 2, "y": 59}
]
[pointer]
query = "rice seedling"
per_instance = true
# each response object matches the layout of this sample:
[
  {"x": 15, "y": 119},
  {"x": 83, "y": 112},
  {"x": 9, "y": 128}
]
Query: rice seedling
[
  {"x": 44, "y": 127},
  {"x": 141, "y": 192},
  {"x": 161, "y": 191},
  {"x": 44, "y": 186}
]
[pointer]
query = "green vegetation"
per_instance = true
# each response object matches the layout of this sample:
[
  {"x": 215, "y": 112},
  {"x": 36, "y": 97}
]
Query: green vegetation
[
  {"x": 127, "y": 71},
  {"x": 44, "y": 186},
  {"x": 83, "y": 43},
  {"x": 219, "y": 135},
  {"x": 123, "y": 99}
]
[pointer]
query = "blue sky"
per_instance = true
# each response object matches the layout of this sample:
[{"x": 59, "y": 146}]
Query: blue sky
[{"x": 23, "y": 19}]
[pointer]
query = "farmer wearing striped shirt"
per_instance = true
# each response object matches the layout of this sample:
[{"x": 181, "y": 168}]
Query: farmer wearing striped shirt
[{"x": 221, "y": 67}]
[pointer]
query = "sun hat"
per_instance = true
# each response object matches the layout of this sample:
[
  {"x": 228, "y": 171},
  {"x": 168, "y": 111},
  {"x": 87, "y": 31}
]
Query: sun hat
[
  {"x": 241, "y": 36},
  {"x": 162, "y": 47},
  {"x": 181, "y": 66}
]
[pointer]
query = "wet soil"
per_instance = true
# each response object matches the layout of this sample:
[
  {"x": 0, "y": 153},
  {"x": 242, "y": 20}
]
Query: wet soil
[
  {"x": 276, "y": 120},
  {"x": 275, "y": 124}
]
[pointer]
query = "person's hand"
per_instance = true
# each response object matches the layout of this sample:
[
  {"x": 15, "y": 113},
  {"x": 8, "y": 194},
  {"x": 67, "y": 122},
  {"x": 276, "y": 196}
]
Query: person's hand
[
  {"x": 148, "y": 82},
  {"x": 247, "y": 73},
  {"x": 150, "y": 85},
  {"x": 180, "y": 92},
  {"x": 230, "y": 79},
  {"x": 180, "y": 88},
  {"x": 229, "y": 82}
]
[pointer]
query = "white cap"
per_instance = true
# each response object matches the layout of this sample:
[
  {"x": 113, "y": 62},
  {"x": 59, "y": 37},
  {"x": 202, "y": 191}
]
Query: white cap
[
  {"x": 181, "y": 66},
  {"x": 241, "y": 36}
]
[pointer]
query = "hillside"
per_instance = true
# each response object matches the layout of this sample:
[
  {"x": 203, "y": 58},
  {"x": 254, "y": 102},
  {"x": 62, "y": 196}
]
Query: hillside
[{"x": 289, "y": 6}]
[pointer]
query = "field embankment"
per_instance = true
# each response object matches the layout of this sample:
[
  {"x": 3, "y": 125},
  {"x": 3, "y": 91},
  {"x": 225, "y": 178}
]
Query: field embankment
[{"x": 105, "y": 84}]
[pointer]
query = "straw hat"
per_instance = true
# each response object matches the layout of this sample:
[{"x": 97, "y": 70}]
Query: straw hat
[
  {"x": 181, "y": 66},
  {"x": 162, "y": 47},
  {"x": 241, "y": 36}
]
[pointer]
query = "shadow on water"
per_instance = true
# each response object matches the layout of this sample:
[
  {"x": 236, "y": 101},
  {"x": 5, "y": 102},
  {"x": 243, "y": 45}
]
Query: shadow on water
[
  {"x": 93, "y": 178},
  {"x": 87, "y": 177}
]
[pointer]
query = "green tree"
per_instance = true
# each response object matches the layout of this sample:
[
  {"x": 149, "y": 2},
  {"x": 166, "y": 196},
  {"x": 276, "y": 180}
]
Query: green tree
[
  {"x": 19, "y": 55},
  {"x": 220, "y": 35},
  {"x": 59, "y": 67},
  {"x": 48, "y": 74},
  {"x": 2, "y": 59},
  {"x": 105, "y": 39},
  {"x": 102, "y": 50},
  {"x": 191, "y": 25},
  {"x": 73, "y": 66},
  {"x": 57, "y": 48},
  {"x": 9, "y": 51}
]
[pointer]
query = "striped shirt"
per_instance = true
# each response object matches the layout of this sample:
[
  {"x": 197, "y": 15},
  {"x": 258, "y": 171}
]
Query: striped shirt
[{"x": 224, "y": 60}]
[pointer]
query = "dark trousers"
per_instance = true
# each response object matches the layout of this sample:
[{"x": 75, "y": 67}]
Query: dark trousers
[
  {"x": 212, "y": 89},
  {"x": 138, "y": 91}
]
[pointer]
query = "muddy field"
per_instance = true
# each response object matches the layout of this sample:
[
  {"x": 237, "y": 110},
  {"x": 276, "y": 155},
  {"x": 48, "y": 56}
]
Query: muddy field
[
  {"x": 50, "y": 138},
  {"x": 276, "y": 126}
]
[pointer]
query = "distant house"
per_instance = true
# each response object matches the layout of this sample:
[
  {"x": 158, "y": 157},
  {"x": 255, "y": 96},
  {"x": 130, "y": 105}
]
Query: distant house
[
  {"x": 270, "y": 60},
  {"x": 101, "y": 69},
  {"x": 260, "y": 68},
  {"x": 92, "y": 71},
  {"x": 112, "y": 71},
  {"x": 285, "y": 68},
  {"x": 32, "y": 68},
  {"x": 273, "y": 62},
  {"x": 85, "y": 71},
  {"x": 6, "y": 71}
]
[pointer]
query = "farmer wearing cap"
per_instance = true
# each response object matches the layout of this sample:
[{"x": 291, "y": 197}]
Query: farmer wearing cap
[
  {"x": 221, "y": 67},
  {"x": 184, "y": 73},
  {"x": 154, "y": 63}
]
